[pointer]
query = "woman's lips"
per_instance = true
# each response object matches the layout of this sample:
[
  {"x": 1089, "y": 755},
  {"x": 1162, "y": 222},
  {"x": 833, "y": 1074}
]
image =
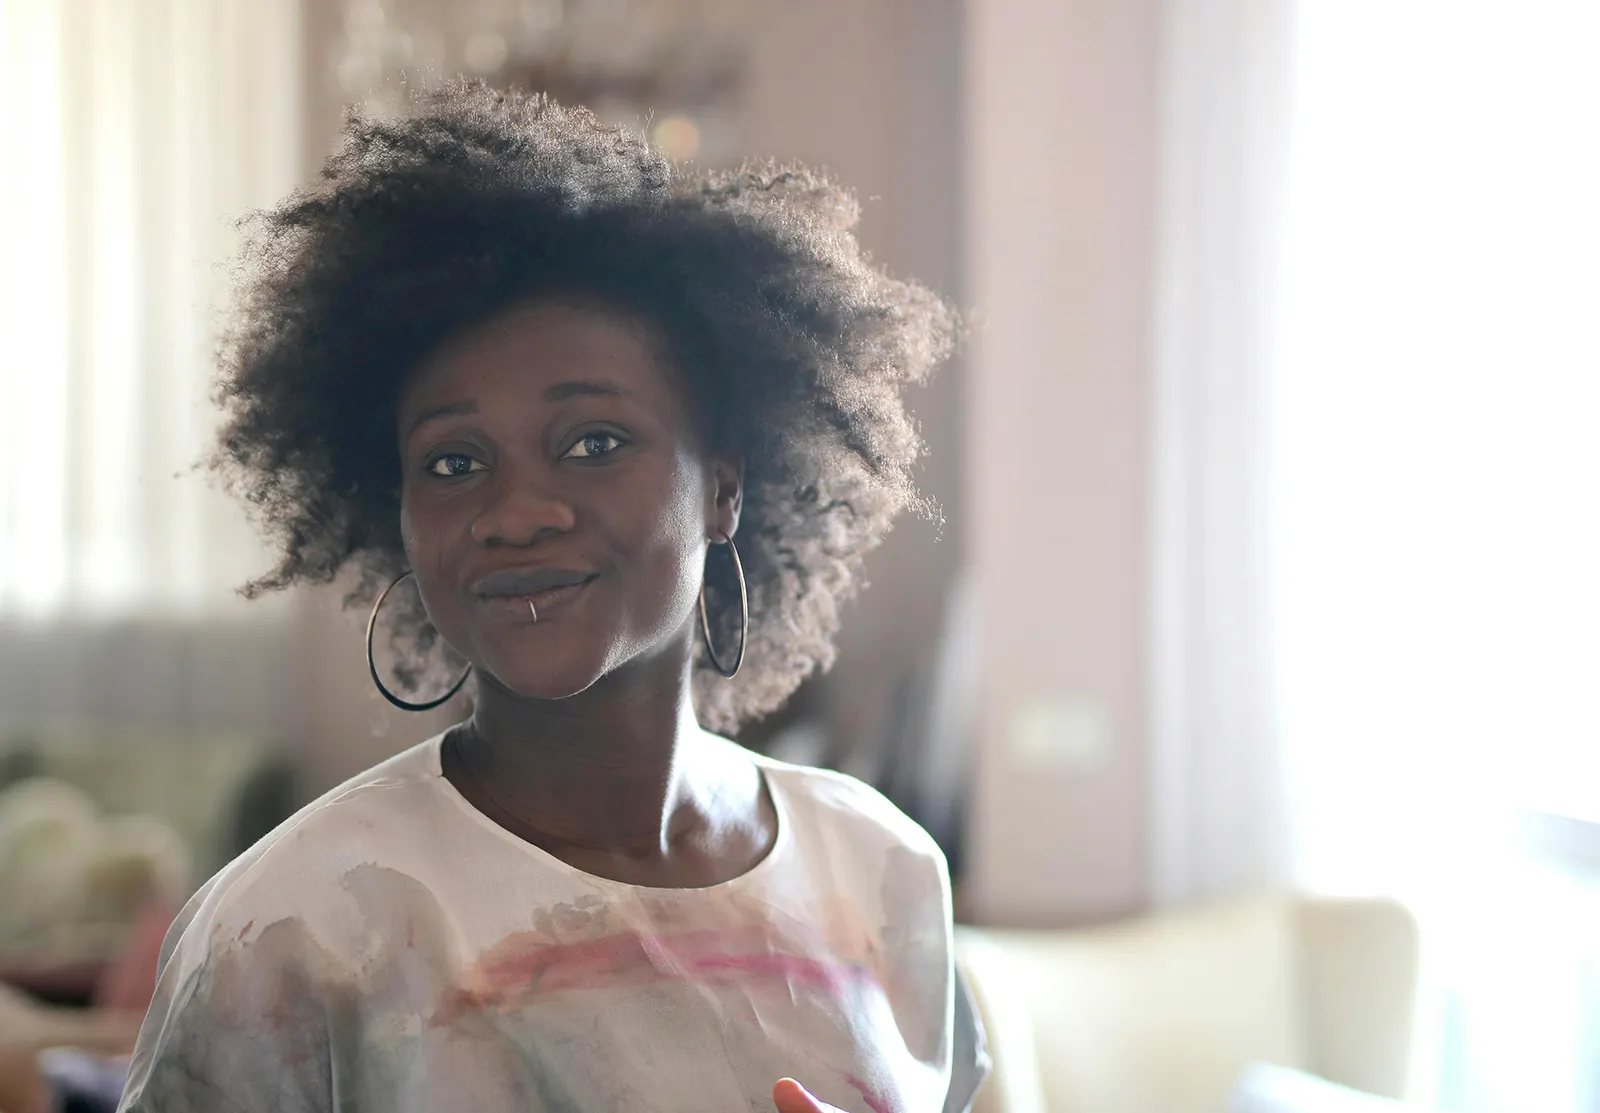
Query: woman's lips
[{"x": 549, "y": 601}]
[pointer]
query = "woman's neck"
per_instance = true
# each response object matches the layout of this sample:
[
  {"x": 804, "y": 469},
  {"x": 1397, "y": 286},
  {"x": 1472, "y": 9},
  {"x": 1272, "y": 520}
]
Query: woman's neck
[{"x": 618, "y": 768}]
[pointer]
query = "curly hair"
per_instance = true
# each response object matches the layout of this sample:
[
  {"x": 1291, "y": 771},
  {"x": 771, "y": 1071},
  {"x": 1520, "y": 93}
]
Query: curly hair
[{"x": 794, "y": 344}]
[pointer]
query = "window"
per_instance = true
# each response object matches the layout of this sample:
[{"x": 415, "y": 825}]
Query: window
[
  {"x": 1436, "y": 470},
  {"x": 132, "y": 135}
]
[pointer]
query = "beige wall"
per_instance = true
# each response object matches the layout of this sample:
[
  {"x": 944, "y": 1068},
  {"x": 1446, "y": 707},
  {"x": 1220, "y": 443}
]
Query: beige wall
[{"x": 1060, "y": 116}]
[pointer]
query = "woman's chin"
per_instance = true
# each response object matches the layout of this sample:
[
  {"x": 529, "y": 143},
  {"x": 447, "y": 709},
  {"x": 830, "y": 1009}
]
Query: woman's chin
[{"x": 546, "y": 683}]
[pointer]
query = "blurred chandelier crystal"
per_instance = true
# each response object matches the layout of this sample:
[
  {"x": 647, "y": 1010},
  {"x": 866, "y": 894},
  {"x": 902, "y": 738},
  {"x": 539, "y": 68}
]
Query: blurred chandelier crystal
[{"x": 678, "y": 64}]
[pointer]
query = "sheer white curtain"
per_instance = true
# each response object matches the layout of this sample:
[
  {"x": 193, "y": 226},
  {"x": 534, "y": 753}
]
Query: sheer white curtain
[
  {"x": 1377, "y": 535},
  {"x": 1217, "y": 790},
  {"x": 132, "y": 135},
  {"x": 1436, "y": 517}
]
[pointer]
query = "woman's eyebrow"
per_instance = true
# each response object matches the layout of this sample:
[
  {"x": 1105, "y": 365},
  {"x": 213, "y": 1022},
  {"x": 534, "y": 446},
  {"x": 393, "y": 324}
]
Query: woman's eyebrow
[
  {"x": 449, "y": 409},
  {"x": 579, "y": 388},
  {"x": 560, "y": 392}
]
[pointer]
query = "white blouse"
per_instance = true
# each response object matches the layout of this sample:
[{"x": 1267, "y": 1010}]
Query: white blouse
[{"x": 391, "y": 949}]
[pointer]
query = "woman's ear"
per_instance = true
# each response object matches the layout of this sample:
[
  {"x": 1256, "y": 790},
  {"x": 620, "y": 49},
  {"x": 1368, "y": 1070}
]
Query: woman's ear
[{"x": 727, "y": 475}]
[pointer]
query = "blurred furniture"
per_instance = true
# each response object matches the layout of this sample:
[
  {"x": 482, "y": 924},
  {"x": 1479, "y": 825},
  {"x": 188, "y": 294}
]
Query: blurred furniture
[
  {"x": 29, "y": 1030},
  {"x": 1271, "y": 1089},
  {"x": 220, "y": 792},
  {"x": 217, "y": 793},
  {"x": 1164, "y": 1014}
]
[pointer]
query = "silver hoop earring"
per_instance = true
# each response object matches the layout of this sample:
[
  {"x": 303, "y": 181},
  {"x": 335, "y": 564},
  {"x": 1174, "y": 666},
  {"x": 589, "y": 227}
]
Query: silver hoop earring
[
  {"x": 744, "y": 618},
  {"x": 372, "y": 665}
]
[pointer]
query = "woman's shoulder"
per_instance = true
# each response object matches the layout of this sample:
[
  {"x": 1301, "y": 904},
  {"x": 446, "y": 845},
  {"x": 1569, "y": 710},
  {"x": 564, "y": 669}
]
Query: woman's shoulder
[
  {"x": 831, "y": 800},
  {"x": 299, "y": 863},
  {"x": 348, "y": 813}
]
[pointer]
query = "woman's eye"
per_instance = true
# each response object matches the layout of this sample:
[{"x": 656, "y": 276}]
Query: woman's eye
[
  {"x": 595, "y": 444},
  {"x": 453, "y": 464}
]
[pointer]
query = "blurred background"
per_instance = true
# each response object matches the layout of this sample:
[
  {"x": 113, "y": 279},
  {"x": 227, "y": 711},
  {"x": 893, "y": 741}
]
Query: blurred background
[{"x": 1268, "y": 566}]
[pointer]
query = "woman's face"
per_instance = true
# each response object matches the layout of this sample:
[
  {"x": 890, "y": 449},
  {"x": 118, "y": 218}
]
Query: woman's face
[{"x": 551, "y": 458}]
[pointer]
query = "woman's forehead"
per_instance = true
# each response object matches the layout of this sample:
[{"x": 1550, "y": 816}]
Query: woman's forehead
[{"x": 551, "y": 349}]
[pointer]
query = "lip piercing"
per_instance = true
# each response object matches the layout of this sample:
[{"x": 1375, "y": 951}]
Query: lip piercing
[{"x": 532, "y": 611}]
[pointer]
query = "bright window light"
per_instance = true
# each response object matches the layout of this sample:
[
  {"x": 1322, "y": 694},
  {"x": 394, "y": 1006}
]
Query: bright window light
[
  {"x": 1437, "y": 450},
  {"x": 1437, "y": 494}
]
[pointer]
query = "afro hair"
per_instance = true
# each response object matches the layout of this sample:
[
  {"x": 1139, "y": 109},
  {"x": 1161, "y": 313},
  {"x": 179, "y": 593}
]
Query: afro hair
[{"x": 796, "y": 347}]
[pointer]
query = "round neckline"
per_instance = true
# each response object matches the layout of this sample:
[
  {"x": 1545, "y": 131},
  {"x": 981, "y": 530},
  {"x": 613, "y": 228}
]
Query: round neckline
[{"x": 779, "y": 845}]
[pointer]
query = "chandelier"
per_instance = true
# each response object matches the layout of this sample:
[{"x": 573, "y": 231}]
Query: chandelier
[{"x": 675, "y": 67}]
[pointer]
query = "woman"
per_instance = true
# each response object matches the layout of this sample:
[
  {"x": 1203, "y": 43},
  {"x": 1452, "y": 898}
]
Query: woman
[{"x": 517, "y": 364}]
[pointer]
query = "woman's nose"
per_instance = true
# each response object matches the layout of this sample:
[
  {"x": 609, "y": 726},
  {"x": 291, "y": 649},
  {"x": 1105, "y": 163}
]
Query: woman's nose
[{"x": 521, "y": 511}]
